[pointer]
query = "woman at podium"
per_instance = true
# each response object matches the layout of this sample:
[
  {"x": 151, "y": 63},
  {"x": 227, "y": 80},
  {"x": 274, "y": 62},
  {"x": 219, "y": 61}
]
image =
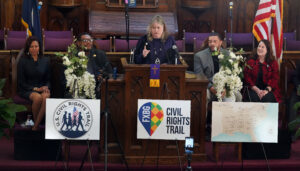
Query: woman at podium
[{"x": 156, "y": 46}]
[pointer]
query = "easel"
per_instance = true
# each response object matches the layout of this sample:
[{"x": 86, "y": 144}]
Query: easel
[{"x": 66, "y": 155}]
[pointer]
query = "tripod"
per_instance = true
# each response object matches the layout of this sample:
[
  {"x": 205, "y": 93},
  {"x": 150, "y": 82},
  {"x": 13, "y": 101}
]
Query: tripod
[
  {"x": 107, "y": 116},
  {"x": 189, "y": 158}
]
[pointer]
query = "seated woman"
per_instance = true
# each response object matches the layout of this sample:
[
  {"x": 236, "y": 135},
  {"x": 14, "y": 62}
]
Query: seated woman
[
  {"x": 262, "y": 76},
  {"x": 153, "y": 47},
  {"x": 34, "y": 78}
]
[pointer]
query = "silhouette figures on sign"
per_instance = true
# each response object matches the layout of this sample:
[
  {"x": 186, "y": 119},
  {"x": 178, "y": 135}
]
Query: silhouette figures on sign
[{"x": 72, "y": 121}]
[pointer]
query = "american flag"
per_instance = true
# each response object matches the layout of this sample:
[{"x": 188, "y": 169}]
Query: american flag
[
  {"x": 268, "y": 24},
  {"x": 75, "y": 114}
]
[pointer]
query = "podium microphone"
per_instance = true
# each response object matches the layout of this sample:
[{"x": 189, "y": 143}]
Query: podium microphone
[{"x": 174, "y": 47}]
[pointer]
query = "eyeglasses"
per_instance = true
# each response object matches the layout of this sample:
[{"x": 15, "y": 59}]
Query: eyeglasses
[{"x": 87, "y": 40}]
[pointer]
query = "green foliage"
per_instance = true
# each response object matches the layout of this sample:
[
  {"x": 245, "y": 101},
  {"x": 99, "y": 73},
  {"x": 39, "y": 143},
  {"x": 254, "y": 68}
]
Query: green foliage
[
  {"x": 8, "y": 112},
  {"x": 295, "y": 124}
]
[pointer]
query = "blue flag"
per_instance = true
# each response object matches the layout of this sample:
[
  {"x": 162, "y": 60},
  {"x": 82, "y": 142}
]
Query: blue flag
[{"x": 31, "y": 18}]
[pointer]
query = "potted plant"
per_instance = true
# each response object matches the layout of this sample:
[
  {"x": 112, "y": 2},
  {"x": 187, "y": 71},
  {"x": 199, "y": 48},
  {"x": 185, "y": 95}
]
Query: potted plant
[
  {"x": 295, "y": 124},
  {"x": 8, "y": 111}
]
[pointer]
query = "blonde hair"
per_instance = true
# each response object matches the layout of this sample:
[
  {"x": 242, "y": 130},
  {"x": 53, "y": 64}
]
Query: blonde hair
[{"x": 157, "y": 19}]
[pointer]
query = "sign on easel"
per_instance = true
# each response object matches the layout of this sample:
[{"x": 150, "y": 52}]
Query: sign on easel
[
  {"x": 75, "y": 119},
  {"x": 244, "y": 122},
  {"x": 163, "y": 119}
]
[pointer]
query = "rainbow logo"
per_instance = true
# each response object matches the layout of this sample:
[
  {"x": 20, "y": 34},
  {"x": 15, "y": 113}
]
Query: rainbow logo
[{"x": 151, "y": 115}]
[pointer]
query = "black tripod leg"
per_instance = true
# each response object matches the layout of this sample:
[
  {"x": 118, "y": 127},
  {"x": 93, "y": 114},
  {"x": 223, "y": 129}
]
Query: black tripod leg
[
  {"x": 90, "y": 155},
  {"x": 88, "y": 151},
  {"x": 178, "y": 155},
  {"x": 142, "y": 164},
  {"x": 263, "y": 148},
  {"x": 57, "y": 155},
  {"x": 157, "y": 154},
  {"x": 85, "y": 155},
  {"x": 117, "y": 139}
]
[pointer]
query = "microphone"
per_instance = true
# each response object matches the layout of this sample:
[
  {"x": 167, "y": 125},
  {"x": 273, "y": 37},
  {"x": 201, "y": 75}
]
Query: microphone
[
  {"x": 131, "y": 59},
  {"x": 174, "y": 47},
  {"x": 147, "y": 46},
  {"x": 230, "y": 8}
]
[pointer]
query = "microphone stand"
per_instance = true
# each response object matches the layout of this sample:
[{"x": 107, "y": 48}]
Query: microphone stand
[
  {"x": 108, "y": 116},
  {"x": 231, "y": 23},
  {"x": 127, "y": 24}
]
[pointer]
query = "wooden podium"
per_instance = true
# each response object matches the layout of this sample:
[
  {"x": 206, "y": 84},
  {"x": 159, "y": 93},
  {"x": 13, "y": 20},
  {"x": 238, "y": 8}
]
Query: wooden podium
[{"x": 124, "y": 93}]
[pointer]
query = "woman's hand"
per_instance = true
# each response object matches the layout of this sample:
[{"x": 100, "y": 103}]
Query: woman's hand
[
  {"x": 259, "y": 92},
  {"x": 223, "y": 93},
  {"x": 264, "y": 92},
  {"x": 44, "y": 89},
  {"x": 145, "y": 52}
]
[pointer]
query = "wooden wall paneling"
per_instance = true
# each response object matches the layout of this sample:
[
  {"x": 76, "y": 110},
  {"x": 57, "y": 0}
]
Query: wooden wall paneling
[
  {"x": 7, "y": 15},
  {"x": 44, "y": 15},
  {"x": 1, "y": 14},
  {"x": 221, "y": 17},
  {"x": 250, "y": 11},
  {"x": 163, "y": 6},
  {"x": 191, "y": 20},
  {"x": 103, "y": 23},
  {"x": 62, "y": 18},
  {"x": 5, "y": 65},
  {"x": 17, "y": 25},
  {"x": 291, "y": 15}
]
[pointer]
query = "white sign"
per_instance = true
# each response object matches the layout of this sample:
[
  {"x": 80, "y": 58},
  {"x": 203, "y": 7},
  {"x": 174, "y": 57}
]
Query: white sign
[
  {"x": 163, "y": 119},
  {"x": 75, "y": 119},
  {"x": 244, "y": 122}
]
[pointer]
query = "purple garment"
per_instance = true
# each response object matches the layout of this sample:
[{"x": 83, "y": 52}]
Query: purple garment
[{"x": 158, "y": 49}]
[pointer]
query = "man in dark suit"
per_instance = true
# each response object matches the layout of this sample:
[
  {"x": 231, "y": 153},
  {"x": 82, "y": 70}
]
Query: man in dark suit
[
  {"x": 97, "y": 61},
  {"x": 206, "y": 62}
]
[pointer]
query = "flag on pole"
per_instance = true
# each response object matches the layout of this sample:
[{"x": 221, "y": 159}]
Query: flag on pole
[
  {"x": 268, "y": 24},
  {"x": 31, "y": 18},
  {"x": 277, "y": 41}
]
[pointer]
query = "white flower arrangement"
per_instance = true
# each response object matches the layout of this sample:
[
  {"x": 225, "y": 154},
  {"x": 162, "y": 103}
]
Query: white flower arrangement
[
  {"x": 80, "y": 82},
  {"x": 229, "y": 76}
]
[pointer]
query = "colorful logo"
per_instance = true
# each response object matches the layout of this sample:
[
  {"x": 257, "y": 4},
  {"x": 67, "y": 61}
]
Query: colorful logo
[
  {"x": 73, "y": 118},
  {"x": 151, "y": 115}
]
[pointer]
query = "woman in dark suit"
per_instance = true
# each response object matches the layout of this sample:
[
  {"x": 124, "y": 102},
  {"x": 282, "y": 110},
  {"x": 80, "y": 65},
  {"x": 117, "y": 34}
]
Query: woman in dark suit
[
  {"x": 154, "y": 46},
  {"x": 262, "y": 75},
  {"x": 34, "y": 78}
]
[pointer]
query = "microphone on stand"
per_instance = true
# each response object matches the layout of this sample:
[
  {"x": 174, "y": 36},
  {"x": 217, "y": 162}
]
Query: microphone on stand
[
  {"x": 230, "y": 9},
  {"x": 231, "y": 22},
  {"x": 131, "y": 59},
  {"x": 174, "y": 47}
]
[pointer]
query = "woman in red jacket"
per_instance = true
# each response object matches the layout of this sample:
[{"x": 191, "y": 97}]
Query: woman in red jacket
[{"x": 262, "y": 76}]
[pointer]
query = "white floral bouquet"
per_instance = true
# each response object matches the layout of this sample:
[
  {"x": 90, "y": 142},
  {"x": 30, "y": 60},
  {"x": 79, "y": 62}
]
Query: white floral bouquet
[
  {"x": 81, "y": 83},
  {"x": 229, "y": 76}
]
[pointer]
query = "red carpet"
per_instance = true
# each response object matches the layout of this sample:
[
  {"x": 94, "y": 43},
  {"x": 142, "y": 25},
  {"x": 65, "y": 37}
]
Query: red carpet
[{"x": 228, "y": 161}]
